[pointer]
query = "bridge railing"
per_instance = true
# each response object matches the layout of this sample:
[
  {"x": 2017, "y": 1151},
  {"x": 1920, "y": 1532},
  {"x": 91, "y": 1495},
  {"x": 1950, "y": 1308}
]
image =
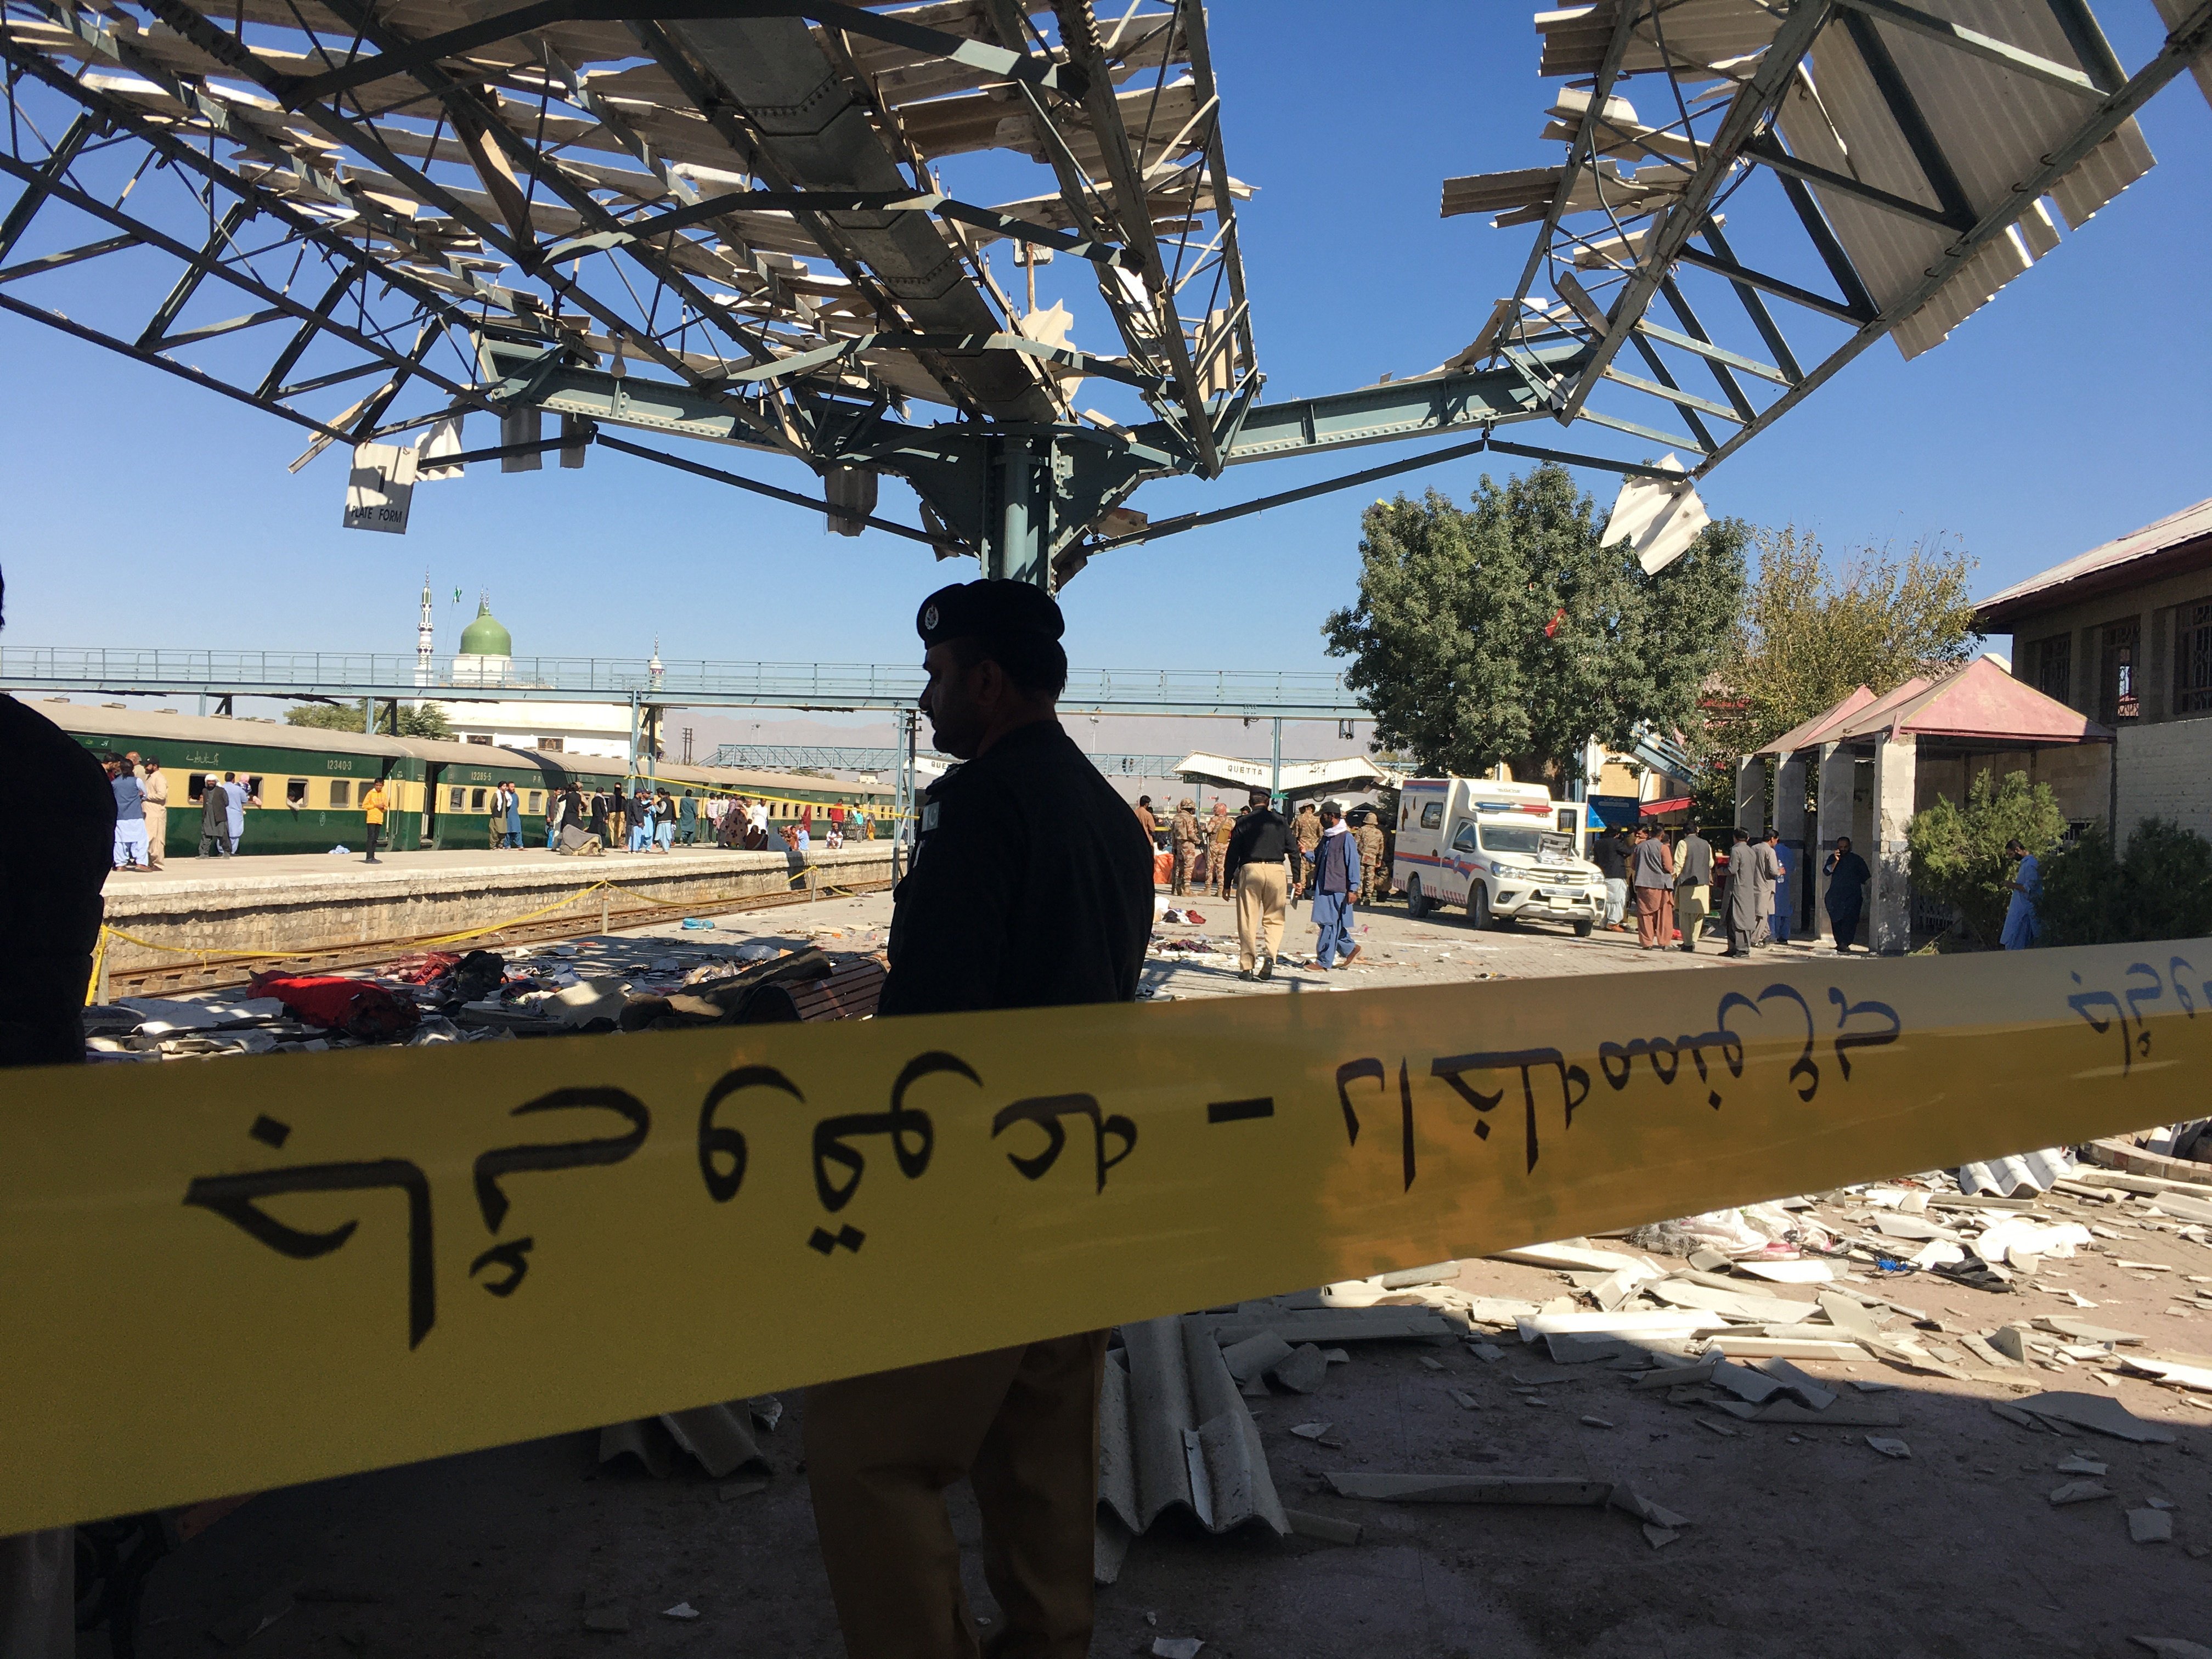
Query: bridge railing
[{"x": 339, "y": 674}]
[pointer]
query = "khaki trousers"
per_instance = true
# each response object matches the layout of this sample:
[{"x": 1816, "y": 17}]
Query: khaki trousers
[
  {"x": 1262, "y": 898},
  {"x": 1185, "y": 856},
  {"x": 1021, "y": 1424},
  {"x": 1654, "y": 916},
  {"x": 1692, "y": 906},
  {"x": 157, "y": 833}
]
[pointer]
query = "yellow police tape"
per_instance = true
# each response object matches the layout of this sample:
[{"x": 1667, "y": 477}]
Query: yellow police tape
[{"x": 227, "y": 1276}]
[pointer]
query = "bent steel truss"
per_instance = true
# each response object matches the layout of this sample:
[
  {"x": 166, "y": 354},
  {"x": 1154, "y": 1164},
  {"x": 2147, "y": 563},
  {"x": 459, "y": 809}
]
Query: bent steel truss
[{"x": 744, "y": 221}]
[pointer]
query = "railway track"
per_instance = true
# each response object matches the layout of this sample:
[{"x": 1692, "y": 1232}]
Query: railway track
[{"x": 189, "y": 973}]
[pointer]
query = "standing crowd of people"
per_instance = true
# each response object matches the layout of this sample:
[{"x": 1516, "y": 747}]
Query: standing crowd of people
[
  {"x": 646, "y": 819},
  {"x": 1668, "y": 885},
  {"x": 1265, "y": 862}
]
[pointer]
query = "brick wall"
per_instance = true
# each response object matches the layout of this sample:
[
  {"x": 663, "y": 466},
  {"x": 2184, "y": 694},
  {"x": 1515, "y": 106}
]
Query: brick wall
[{"x": 2166, "y": 772}]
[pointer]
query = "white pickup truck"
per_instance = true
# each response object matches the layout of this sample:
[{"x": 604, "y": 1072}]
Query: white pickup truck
[{"x": 1504, "y": 850}]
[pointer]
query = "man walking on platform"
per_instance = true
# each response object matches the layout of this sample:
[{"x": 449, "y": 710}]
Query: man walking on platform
[
  {"x": 1693, "y": 886},
  {"x": 1184, "y": 831},
  {"x": 1259, "y": 849},
  {"x": 1335, "y": 887},
  {"x": 1746, "y": 896},
  {"x": 1030, "y": 887},
  {"x": 1651, "y": 867}
]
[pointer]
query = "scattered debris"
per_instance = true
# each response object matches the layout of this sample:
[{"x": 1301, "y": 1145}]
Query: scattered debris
[
  {"x": 1176, "y": 1647},
  {"x": 2099, "y": 1412},
  {"x": 1306, "y": 1524},
  {"x": 2150, "y": 1527},
  {"x": 2079, "y": 1491},
  {"x": 1889, "y": 1448},
  {"x": 682, "y": 1609}
]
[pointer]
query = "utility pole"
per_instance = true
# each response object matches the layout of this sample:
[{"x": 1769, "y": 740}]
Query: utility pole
[{"x": 1275, "y": 782}]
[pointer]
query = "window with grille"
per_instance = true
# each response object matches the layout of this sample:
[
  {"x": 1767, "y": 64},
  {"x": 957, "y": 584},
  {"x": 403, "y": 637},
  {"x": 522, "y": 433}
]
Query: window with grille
[
  {"x": 2117, "y": 700},
  {"x": 2054, "y": 667},
  {"x": 2192, "y": 659}
]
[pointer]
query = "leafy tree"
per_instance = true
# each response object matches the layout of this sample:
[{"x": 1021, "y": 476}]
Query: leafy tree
[
  {"x": 1808, "y": 634},
  {"x": 326, "y": 716},
  {"x": 426, "y": 721},
  {"x": 2161, "y": 888},
  {"x": 1958, "y": 852},
  {"x": 1506, "y": 631}
]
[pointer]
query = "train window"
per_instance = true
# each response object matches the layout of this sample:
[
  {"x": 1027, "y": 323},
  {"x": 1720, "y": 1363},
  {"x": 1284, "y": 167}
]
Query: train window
[
  {"x": 551, "y": 746},
  {"x": 253, "y": 790},
  {"x": 454, "y": 798},
  {"x": 537, "y": 801},
  {"x": 194, "y": 782},
  {"x": 476, "y": 800},
  {"x": 295, "y": 792},
  {"x": 341, "y": 794},
  {"x": 486, "y": 741}
]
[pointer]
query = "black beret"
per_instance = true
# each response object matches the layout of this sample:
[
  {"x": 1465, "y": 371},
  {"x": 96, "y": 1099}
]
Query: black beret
[{"x": 988, "y": 610}]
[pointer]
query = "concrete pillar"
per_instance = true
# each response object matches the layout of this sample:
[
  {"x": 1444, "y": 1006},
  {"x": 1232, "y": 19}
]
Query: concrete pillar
[
  {"x": 1838, "y": 767},
  {"x": 1895, "y": 767},
  {"x": 1751, "y": 794},
  {"x": 1790, "y": 820}
]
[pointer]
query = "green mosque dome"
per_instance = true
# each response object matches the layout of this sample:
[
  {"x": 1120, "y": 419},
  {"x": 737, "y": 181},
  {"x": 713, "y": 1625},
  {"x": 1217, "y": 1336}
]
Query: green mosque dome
[{"x": 484, "y": 637}]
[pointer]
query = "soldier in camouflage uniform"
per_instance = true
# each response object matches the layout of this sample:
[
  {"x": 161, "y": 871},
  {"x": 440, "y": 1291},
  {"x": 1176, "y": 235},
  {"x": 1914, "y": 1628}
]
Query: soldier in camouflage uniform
[
  {"x": 1305, "y": 835},
  {"x": 1184, "y": 833},
  {"x": 1369, "y": 836}
]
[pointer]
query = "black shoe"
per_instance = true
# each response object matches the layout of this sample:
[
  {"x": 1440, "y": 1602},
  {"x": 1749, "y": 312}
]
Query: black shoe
[
  {"x": 1267, "y": 967},
  {"x": 1243, "y": 973}
]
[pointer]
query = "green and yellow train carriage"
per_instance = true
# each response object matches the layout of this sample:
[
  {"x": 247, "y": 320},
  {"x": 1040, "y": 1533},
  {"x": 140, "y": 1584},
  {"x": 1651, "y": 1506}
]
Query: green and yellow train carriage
[{"x": 304, "y": 785}]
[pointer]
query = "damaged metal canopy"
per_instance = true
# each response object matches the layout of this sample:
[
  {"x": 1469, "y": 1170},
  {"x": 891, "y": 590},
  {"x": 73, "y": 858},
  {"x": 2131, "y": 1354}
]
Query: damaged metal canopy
[
  {"x": 1918, "y": 157},
  {"x": 365, "y": 216}
]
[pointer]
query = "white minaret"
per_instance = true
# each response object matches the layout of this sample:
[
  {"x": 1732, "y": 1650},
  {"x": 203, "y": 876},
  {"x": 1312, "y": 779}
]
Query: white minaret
[
  {"x": 654, "y": 669},
  {"x": 425, "y": 637}
]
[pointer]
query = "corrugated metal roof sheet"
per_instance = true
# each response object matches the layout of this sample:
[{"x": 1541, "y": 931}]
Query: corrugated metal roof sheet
[
  {"x": 1991, "y": 124},
  {"x": 1700, "y": 32},
  {"x": 2023, "y": 1172},
  {"x": 2189, "y": 524}
]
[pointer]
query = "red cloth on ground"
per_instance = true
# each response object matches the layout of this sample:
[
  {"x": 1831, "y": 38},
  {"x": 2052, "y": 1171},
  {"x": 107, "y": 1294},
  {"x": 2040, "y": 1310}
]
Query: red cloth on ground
[{"x": 356, "y": 1006}]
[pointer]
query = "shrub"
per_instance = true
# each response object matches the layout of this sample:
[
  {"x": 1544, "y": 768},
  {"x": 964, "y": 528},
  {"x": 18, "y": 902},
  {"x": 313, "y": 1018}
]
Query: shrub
[
  {"x": 2161, "y": 888},
  {"x": 1958, "y": 852}
]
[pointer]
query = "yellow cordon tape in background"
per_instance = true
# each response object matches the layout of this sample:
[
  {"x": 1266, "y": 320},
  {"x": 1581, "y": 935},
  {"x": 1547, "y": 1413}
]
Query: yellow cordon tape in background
[
  {"x": 226, "y": 1276},
  {"x": 205, "y": 954}
]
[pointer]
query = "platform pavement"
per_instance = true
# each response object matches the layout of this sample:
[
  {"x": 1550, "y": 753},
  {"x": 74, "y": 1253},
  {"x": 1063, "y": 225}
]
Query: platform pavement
[
  {"x": 303, "y": 903},
  {"x": 448, "y": 866}
]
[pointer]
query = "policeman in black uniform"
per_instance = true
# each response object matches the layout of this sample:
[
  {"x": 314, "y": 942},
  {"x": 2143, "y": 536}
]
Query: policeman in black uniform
[
  {"x": 1031, "y": 887},
  {"x": 56, "y": 845}
]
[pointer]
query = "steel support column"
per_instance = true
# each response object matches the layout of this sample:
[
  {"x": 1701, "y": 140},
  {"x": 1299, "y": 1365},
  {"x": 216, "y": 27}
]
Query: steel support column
[{"x": 1016, "y": 537}]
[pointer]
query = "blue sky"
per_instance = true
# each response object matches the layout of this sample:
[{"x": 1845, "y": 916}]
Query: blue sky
[{"x": 142, "y": 512}]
